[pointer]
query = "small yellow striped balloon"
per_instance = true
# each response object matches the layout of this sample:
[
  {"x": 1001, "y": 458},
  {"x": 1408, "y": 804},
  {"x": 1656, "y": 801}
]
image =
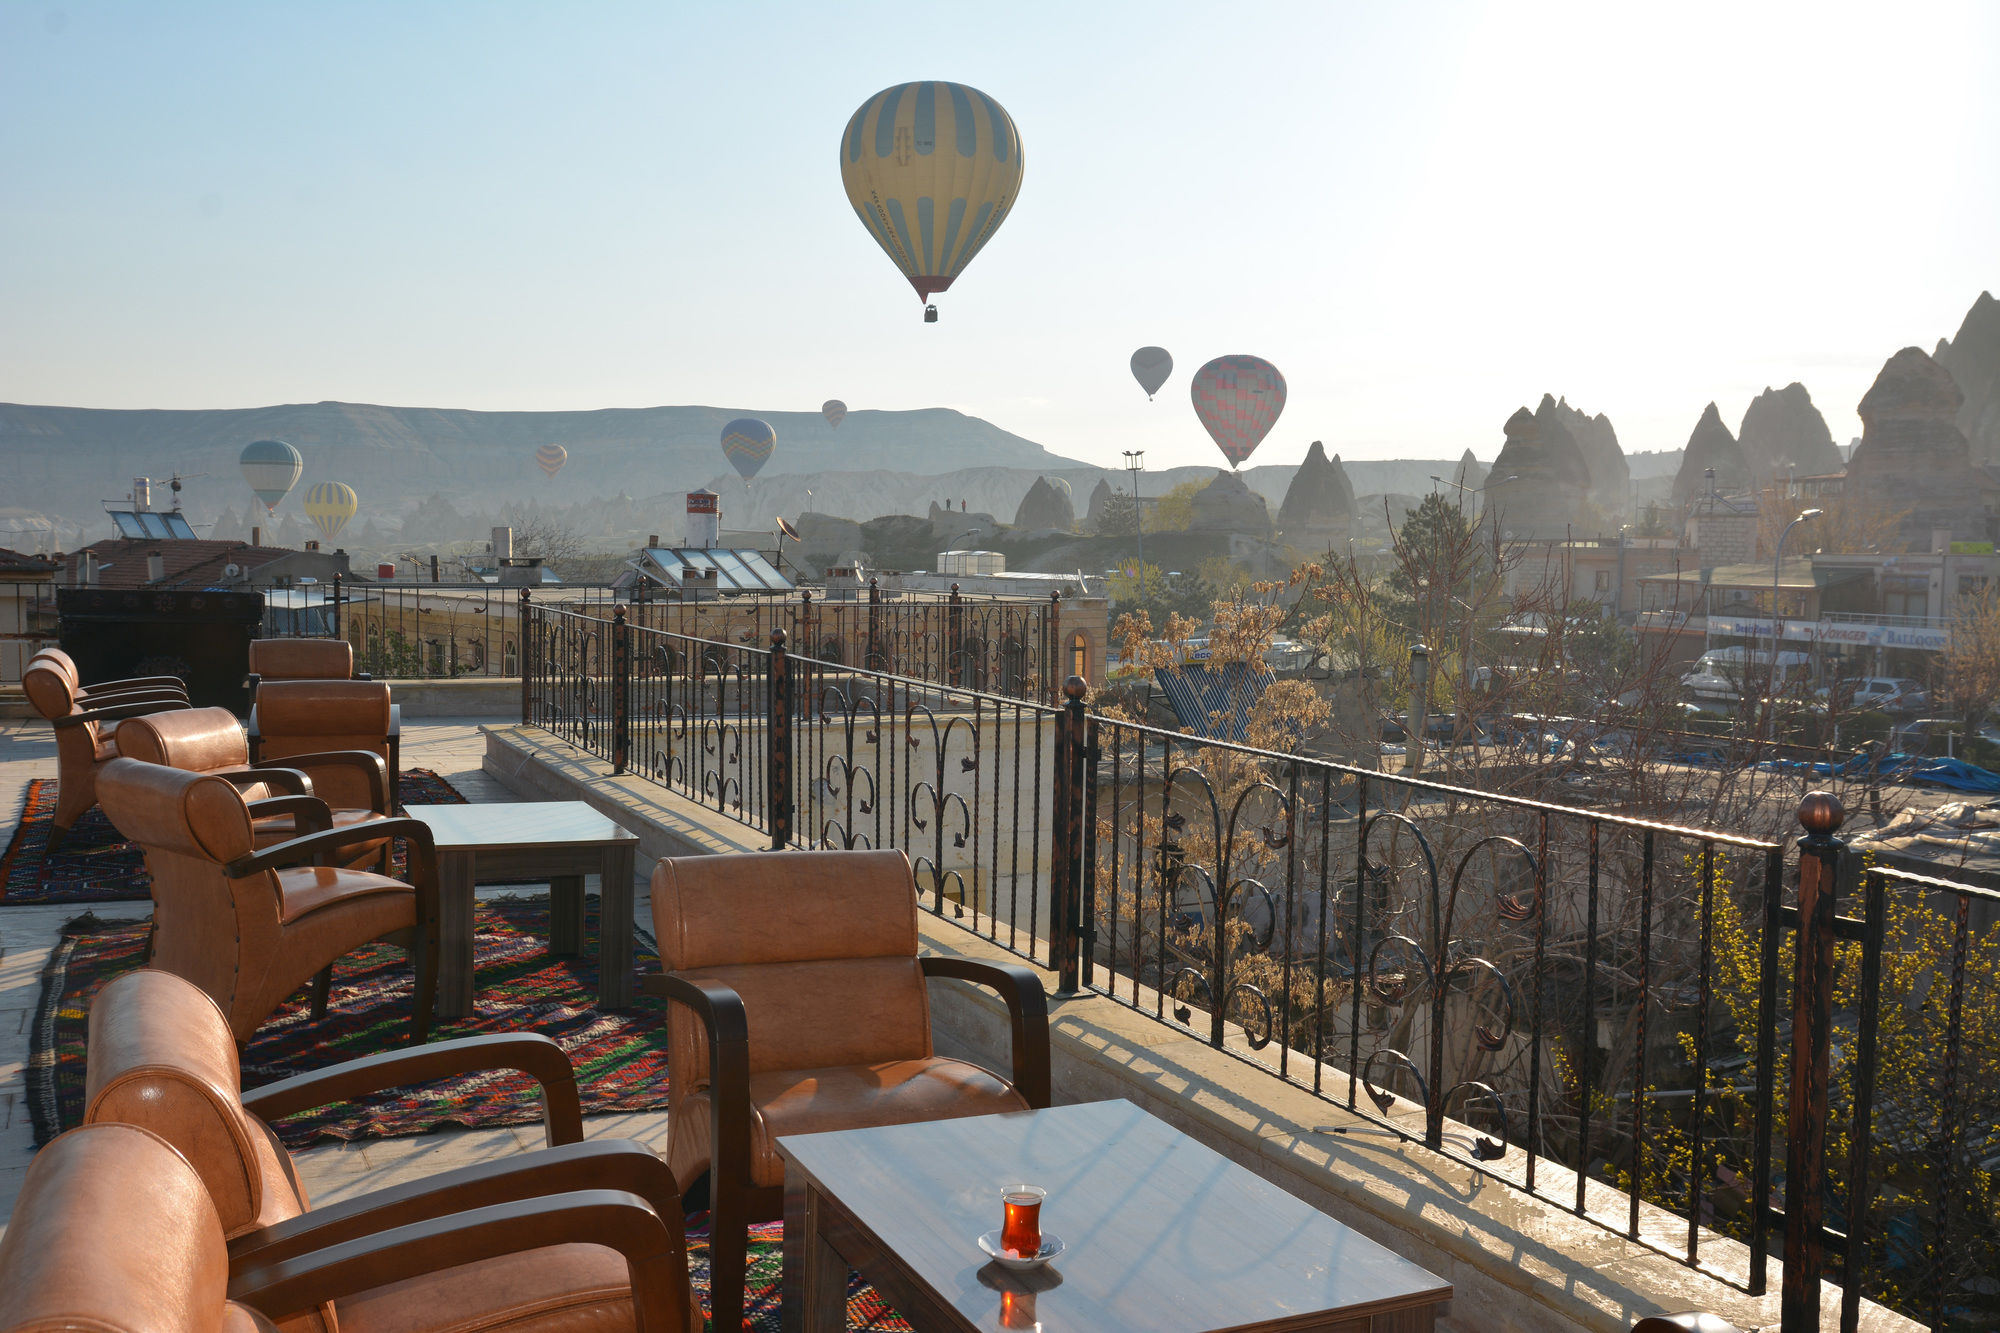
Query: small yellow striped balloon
[
  {"x": 329, "y": 504},
  {"x": 550, "y": 458},
  {"x": 932, "y": 170}
]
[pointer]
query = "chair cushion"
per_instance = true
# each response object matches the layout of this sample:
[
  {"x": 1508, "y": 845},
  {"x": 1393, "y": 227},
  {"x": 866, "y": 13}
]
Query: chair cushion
[
  {"x": 783, "y": 907},
  {"x": 273, "y": 829},
  {"x": 560, "y": 1289},
  {"x": 198, "y": 740},
  {"x": 849, "y": 1011},
  {"x": 303, "y": 890},
  {"x": 301, "y": 659},
  {"x": 812, "y": 1101}
]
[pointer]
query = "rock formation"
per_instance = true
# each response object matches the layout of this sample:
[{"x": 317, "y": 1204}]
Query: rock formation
[
  {"x": 1973, "y": 358},
  {"x": 1320, "y": 500},
  {"x": 1099, "y": 496},
  {"x": 1711, "y": 446},
  {"x": 1784, "y": 436},
  {"x": 1564, "y": 454},
  {"x": 826, "y": 538},
  {"x": 1913, "y": 456},
  {"x": 1045, "y": 506},
  {"x": 1227, "y": 504},
  {"x": 1541, "y": 491},
  {"x": 1597, "y": 441},
  {"x": 1469, "y": 476}
]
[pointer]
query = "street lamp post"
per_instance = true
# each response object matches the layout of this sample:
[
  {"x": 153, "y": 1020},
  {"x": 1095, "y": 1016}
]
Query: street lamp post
[
  {"x": 1420, "y": 692},
  {"x": 1777, "y": 625},
  {"x": 1135, "y": 462}
]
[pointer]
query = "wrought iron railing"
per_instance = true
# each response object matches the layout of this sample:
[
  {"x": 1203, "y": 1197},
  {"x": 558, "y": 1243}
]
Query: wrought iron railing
[{"x": 1602, "y": 1011}]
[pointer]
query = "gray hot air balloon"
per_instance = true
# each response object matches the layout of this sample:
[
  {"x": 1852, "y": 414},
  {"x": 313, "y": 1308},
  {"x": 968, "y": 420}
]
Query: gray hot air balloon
[
  {"x": 1151, "y": 366},
  {"x": 272, "y": 468},
  {"x": 834, "y": 411}
]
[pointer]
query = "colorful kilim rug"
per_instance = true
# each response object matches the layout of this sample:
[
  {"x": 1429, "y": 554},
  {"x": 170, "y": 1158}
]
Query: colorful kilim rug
[
  {"x": 95, "y": 865},
  {"x": 762, "y": 1285},
  {"x": 620, "y": 1057}
]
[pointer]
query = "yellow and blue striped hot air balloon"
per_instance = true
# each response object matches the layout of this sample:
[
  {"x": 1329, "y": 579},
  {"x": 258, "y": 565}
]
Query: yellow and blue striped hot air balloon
[
  {"x": 550, "y": 458},
  {"x": 747, "y": 444},
  {"x": 329, "y": 504},
  {"x": 932, "y": 170}
]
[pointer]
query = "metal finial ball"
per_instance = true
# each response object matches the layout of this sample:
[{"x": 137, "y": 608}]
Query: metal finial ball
[
  {"x": 1075, "y": 688},
  {"x": 778, "y": 637},
  {"x": 620, "y": 609},
  {"x": 1821, "y": 813}
]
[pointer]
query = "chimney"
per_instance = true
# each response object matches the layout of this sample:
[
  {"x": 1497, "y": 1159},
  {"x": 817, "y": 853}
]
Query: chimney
[
  {"x": 256, "y": 536},
  {"x": 156, "y": 567},
  {"x": 86, "y": 569},
  {"x": 704, "y": 519},
  {"x": 653, "y": 539},
  {"x": 312, "y": 546},
  {"x": 503, "y": 545},
  {"x": 142, "y": 493}
]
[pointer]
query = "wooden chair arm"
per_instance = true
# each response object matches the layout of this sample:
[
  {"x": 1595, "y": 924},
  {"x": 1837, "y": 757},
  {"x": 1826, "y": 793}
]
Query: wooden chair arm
[
  {"x": 287, "y": 780},
  {"x": 723, "y": 1017},
  {"x": 309, "y": 813},
  {"x": 422, "y": 850},
  {"x": 1027, "y": 1008},
  {"x": 164, "y": 686},
  {"x": 613, "y": 1164},
  {"x": 612, "y": 1218},
  {"x": 118, "y": 712},
  {"x": 529, "y": 1052},
  {"x": 370, "y": 765}
]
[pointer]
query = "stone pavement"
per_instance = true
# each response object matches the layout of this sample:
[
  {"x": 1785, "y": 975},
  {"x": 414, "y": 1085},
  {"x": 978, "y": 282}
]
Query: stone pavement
[{"x": 452, "y": 747}]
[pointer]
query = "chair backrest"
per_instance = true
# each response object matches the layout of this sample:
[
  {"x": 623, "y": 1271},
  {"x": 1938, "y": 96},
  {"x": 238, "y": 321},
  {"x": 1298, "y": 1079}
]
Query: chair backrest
[
  {"x": 300, "y": 659},
  {"x": 821, "y": 945},
  {"x": 312, "y": 716},
  {"x": 161, "y": 1057},
  {"x": 113, "y": 1232},
  {"x": 220, "y": 933},
  {"x": 194, "y": 740}
]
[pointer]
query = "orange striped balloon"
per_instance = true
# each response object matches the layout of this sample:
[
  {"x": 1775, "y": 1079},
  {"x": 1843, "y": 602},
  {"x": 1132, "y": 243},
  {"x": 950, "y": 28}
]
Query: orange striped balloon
[{"x": 550, "y": 458}]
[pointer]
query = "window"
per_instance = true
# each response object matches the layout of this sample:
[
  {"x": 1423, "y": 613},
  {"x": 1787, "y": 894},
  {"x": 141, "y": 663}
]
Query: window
[
  {"x": 1079, "y": 656},
  {"x": 1604, "y": 580}
]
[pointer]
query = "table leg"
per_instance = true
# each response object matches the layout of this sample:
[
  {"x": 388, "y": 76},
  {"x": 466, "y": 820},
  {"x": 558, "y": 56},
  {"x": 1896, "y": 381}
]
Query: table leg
[
  {"x": 454, "y": 934},
  {"x": 614, "y": 928},
  {"x": 566, "y": 914},
  {"x": 815, "y": 1276}
]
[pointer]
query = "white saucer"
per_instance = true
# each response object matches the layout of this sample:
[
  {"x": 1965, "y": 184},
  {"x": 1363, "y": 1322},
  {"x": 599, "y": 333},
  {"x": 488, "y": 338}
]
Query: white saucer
[{"x": 1052, "y": 1246}]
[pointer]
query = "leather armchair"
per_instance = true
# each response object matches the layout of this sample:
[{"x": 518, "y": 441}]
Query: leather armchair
[
  {"x": 161, "y": 1059},
  {"x": 84, "y": 728},
  {"x": 105, "y": 689},
  {"x": 312, "y": 717},
  {"x": 300, "y": 659},
  {"x": 251, "y": 926},
  {"x": 799, "y": 1005}
]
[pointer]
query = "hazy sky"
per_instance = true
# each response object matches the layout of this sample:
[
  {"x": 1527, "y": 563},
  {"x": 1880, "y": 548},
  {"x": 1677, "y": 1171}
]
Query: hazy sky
[{"x": 1425, "y": 214}]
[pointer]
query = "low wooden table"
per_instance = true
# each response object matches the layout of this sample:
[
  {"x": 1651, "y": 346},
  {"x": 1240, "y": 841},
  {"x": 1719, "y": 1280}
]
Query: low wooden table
[
  {"x": 526, "y": 841},
  {"x": 1160, "y": 1232}
]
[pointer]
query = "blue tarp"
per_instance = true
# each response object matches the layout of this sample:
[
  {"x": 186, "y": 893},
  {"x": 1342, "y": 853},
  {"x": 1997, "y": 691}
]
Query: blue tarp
[
  {"x": 1955, "y": 774},
  {"x": 1214, "y": 702}
]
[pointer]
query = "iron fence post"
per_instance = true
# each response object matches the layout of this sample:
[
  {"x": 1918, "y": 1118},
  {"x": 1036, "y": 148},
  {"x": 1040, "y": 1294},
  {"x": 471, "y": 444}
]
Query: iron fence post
[
  {"x": 1052, "y": 646},
  {"x": 1821, "y": 814},
  {"x": 522, "y": 655},
  {"x": 779, "y": 734},
  {"x": 336, "y": 606},
  {"x": 621, "y": 688},
  {"x": 811, "y": 631},
  {"x": 875, "y": 662},
  {"x": 1066, "y": 862},
  {"x": 954, "y": 638}
]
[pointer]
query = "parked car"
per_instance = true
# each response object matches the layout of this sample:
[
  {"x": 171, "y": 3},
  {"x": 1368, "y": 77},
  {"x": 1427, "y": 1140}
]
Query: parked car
[{"x": 1885, "y": 694}]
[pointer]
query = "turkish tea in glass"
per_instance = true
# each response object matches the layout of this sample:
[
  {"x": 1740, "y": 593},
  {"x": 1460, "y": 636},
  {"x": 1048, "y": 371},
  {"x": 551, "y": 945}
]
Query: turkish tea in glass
[{"x": 1021, "y": 1231}]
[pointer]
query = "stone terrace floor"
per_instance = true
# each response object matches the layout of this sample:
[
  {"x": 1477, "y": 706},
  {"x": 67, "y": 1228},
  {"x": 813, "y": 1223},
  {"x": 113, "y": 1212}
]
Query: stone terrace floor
[{"x": 449, "y": 746}]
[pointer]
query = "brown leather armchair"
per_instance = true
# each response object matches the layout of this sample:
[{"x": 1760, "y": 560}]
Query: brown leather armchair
[
  {"x": 300, "y": 659},
  {"x": 161, "y": 1059},
  {"x": 799, "y": 1005},
  {"x": 105, "y": 689},
  {"x": 84, "y": 728},
  {"x": 251, "y": 926},
  {"x": 299, "y": 717}
]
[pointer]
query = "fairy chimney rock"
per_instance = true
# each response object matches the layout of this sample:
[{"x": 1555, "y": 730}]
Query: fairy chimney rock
[
  {"x": 1045, "y": 506},
  {"x": 1973, "y": 358},
  {"x": 1319, "y": 501},
  {"x": 1227, "y": 504},
  {"x": 1542, "y": 482},
  {"x": 1913, "y": 457},
  {"x": 1784, "y": 436},
  {"x": 1711, "y": 446}
]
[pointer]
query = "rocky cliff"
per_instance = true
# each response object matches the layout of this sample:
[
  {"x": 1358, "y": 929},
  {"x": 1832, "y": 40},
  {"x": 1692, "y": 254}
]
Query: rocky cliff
[
  {"x": 1784, "y": 435},
  {"x": 1711, "y": 446},
  {"x": 1973, "y": 358},
  {"x": 1913, "y": 456}
]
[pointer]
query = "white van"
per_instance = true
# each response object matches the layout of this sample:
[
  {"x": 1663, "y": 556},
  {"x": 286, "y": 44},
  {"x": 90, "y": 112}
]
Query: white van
[{"x": 1725, "y": 673}]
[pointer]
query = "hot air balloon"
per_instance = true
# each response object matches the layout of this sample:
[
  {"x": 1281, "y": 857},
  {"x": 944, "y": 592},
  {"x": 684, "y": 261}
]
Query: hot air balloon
[
  {"x": 747, "y": 443},
  {"x": 834, "y": 411},
  {"x": 932, "y": 170},
  {"x": 329, "y": 504},
  {"x": 550, "y": 458},
  {"x": 272, "y": 468},
  {"x": 1151, "y": 366},
  {"x": 1238, "y": 399}
]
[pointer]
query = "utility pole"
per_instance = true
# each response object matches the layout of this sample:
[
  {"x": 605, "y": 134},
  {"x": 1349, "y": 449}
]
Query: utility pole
[{"x": 1135, "y": 462}]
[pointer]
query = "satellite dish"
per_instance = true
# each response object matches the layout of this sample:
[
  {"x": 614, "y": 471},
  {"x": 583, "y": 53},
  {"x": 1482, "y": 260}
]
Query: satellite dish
[{"x": 785, "y": 527}]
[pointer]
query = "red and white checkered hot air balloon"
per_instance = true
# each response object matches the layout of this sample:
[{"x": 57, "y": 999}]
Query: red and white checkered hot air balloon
[
  {"x": 550, "y": 458},
  {"x": 1238, "y": 399}
]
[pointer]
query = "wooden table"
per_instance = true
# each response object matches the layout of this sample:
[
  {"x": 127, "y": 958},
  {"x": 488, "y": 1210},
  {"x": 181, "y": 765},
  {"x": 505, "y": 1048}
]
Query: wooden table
[
  {"x": 394, "y": 740},
  {"x": 1160, "y": 1232},
  {"x": 523, "y": 842}
]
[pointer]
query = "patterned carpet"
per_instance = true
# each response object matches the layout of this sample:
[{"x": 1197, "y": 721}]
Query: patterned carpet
[
  {"x": 620, "y": 1058},
  {"x": 763, "y": 1283},
  {"x": 95, "y": 865}
]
